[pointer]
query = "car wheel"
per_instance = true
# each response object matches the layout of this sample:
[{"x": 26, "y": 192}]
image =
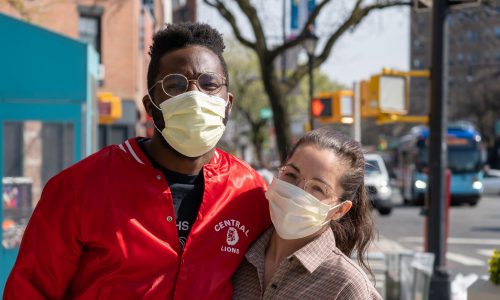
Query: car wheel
[{"x": 384, "y": 211}]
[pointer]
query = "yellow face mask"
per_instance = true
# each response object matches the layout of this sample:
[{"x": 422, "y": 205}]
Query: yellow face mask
[
  {"x": 194, "y": 122},
  {"x": 294, "y": 212}
]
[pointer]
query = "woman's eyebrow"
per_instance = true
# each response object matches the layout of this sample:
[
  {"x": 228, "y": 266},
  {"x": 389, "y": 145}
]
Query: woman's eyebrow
[{"x": 294, "y": 166}]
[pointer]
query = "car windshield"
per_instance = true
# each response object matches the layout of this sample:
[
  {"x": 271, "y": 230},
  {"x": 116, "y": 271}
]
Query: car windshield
[{"x": 372, "y": 167}]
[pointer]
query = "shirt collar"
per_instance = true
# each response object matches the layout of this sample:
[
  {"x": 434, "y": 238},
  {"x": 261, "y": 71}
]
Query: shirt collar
[{"x": 312, "y": 255}]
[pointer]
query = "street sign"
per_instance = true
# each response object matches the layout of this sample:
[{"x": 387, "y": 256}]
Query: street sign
[
  {"x": 299, "y": 13},
  {"x": 266, "y": 113}
]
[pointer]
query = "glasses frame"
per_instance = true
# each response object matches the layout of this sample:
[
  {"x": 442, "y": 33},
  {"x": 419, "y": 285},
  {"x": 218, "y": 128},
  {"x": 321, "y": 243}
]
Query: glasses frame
[
  {"x": 197, "y": 83},
  {"x": 331, "y": 190}
]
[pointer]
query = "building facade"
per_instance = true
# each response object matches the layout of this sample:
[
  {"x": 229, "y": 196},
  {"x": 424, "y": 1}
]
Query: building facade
[
  {"x": 121, "y": 32},
  {"x": 472, "y": 62}
]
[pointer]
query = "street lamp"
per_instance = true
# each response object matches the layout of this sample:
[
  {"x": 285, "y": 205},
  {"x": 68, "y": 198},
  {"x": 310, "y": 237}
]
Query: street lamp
[{"x": 309, "y": 43}]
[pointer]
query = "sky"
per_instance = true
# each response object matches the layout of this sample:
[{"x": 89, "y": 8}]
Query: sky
[{"x": 381, "y": 40}]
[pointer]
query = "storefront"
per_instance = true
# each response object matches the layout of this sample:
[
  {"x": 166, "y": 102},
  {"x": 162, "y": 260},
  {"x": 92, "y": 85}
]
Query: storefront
[{"x": 48, "y": 120}]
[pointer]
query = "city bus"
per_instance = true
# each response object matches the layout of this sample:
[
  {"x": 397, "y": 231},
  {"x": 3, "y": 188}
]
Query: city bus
[{"x": 464, "y": 162}]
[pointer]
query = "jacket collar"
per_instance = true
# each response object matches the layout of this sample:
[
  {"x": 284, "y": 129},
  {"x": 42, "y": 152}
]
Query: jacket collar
[{"x": 131, "y": 148}]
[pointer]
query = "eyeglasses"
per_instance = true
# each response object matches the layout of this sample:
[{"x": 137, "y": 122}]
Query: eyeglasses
[
  {"x": 176, "y": 84},
  {"x": 315, "y": 187}
]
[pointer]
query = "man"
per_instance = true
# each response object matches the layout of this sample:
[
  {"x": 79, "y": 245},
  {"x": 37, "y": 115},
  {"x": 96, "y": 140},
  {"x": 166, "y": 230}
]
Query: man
[{"x": 163, "y": 218}]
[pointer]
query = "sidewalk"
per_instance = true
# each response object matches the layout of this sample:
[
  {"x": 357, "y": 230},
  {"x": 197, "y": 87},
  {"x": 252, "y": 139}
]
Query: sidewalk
[{"x": 377, "y": 253}]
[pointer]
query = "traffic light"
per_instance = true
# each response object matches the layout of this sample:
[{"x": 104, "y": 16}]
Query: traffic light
[
  {"x": 322, "y": 107},
  {"x": 385, "y": 93},
  {"x": 336, "y": 107},
  {"x": 110, "y": 107}
]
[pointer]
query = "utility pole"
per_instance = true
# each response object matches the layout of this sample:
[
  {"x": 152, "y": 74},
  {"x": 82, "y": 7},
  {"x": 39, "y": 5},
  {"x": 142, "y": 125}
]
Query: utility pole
[
  {"x": 436, "y": 237},
  {"x": 283, "y": 55}
]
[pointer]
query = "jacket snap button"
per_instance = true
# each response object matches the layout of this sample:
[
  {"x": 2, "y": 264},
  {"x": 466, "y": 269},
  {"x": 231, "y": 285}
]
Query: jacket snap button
[
  {"x": 158, "y": 177},
  {"x": 169, "y": 218}
]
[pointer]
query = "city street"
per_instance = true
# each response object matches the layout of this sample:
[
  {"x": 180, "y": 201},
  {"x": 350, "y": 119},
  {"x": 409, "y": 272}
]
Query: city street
[{"x": 474, "y": 233}]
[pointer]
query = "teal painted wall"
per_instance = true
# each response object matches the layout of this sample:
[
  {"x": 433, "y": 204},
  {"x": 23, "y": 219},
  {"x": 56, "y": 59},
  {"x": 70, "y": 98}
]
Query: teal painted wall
[{"x": 39, "y": 64}]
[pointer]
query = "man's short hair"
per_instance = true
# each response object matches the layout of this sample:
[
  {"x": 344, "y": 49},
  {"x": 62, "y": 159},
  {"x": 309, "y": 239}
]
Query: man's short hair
[{"x": 181, "y": 35}]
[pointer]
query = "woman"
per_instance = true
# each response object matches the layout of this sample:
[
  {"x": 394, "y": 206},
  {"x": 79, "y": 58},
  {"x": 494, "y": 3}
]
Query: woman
[{"x": 320, "y": 215}]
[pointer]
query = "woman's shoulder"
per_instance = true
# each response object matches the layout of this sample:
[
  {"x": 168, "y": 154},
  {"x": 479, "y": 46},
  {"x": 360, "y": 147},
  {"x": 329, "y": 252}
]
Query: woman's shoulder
[{"x": 354, "y": 281}]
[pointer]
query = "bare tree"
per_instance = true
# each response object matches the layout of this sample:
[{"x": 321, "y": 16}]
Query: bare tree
[{"x": 277, "y": 90}]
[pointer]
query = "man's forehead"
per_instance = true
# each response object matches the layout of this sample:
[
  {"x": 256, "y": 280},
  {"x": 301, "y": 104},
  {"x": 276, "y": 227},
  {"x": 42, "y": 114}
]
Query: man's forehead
[{"x": 191, "y": 60}]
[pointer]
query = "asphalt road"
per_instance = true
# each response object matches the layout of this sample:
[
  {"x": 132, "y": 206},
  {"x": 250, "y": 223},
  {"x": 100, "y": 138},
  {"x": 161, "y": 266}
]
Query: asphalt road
[{"x": 474, "y": 233}]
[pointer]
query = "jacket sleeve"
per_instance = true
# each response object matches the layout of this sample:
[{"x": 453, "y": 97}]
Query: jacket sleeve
[{"x": 50, "y": 248}]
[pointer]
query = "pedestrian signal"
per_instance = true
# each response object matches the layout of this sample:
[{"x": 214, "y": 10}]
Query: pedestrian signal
[
  {"x": 322, "y": 107},
  {"x": 110, "y": 107}
]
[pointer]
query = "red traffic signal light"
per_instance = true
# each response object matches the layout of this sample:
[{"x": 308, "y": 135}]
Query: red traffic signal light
[{"x": 322, "y": 107}]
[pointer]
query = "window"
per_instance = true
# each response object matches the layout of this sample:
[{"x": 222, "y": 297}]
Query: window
[
  {"x": 90, "y": 26},
  {"x": 471, "y": 36},
  {"x": 416, "y": 63},
  {"x": 497, "y": 56},
  {"x": 486, "y": 57},
  {"x": 474, "y": 58},
  {"x": 497, "y": 32}
]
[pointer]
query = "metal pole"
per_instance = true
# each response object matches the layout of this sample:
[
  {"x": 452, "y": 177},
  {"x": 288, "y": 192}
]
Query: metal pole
[
  {"x": 283, "y": 55},
  {"x": 311, "y": 90},
  {"x": 357, "y": 111},
  {"x": 440, "y": 281}
]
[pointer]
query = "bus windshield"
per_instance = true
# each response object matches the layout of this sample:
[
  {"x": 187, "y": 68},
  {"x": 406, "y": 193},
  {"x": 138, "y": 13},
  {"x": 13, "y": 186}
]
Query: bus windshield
[
  {"x": 463, "y": 160},
  {"x": 460, "y": 160}
]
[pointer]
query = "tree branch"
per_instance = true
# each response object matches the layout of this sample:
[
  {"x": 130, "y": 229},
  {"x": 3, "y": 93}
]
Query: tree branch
[
  {"x": 356, "y": 16},
  {"x": 260, "y": 38},
  {"x": 228, "y": 15}
]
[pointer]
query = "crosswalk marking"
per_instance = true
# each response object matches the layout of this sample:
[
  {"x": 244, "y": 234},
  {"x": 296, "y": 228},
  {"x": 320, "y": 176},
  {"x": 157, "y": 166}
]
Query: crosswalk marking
[
  {"x": 455, "y": 241},
  {"x": 485, "y": 252},
  {"x": 464, "y": 260}
]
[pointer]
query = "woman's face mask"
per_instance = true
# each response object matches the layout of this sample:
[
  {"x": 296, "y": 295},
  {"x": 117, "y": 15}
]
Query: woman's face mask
[
  {"x": 294, "y": 212},
  {"x": 194, "y": 122}
]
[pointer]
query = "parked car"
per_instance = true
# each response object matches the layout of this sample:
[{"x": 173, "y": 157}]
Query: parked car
[
  {"x": 491, "y": 182},
  {"x": 377, "y": 183}
]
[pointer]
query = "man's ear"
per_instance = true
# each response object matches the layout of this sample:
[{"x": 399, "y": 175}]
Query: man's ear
[
  {"x": 146, "y": 101},
  {"x": 341, "y": 211}
]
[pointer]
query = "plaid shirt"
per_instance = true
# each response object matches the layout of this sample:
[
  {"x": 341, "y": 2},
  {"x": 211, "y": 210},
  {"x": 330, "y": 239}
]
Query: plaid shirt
[{"x": 317, "y": 271}]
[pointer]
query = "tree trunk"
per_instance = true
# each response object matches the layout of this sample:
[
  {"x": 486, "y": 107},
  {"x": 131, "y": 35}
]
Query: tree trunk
[{"x": 278, "y": 104}]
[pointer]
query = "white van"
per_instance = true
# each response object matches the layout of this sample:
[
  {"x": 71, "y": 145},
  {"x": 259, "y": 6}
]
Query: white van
[{"x": 377, "y": 183}]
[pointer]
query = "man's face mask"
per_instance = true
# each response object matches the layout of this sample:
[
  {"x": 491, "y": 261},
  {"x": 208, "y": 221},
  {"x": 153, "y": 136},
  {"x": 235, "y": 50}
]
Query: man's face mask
[{"x": 194, "y": 122}]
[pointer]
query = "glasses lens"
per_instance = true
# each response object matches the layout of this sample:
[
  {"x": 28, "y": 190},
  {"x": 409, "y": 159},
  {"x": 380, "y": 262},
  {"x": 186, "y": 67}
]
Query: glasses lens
[
  {"x": 289, "y": 175},
  {"x": 210, "y": 83},
  {"x": 317, "y": 189},
  {"x": 175, "y": 84},
  {"x": 314, "y": 187}
]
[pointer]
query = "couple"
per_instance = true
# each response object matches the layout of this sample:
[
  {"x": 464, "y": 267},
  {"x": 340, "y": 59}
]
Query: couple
[{"x": 172, "y": 217}]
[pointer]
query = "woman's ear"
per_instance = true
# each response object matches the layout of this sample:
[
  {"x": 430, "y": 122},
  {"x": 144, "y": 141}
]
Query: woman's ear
[{"x": 340, "y": 211}]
